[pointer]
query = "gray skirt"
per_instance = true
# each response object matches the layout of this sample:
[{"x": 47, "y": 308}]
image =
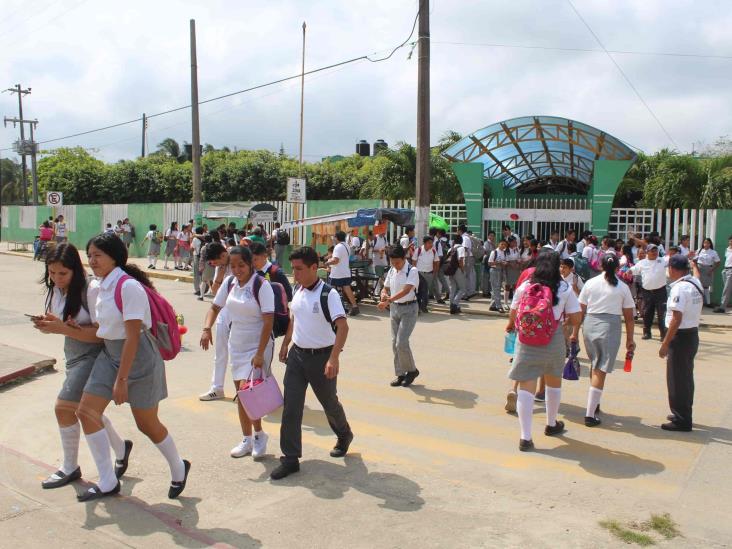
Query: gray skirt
[
  {"x": 80, "y": 357},
  {"x": 146, "y": 385},
  {"x": 533, "y": 361},
  {"x": 512, "y": 274},
  {"x": 706, "y": 275},
  {"x": 601, "y": 334},
  {"x": 170, "y": 246},
  {"x": 154, "y": 248}
]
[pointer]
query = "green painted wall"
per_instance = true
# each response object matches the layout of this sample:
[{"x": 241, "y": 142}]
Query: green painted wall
[
  {"x": 88, "y": 224},
  {"x": 142, "y": 216},
  {"x": 723, "y": 232},
  {"x": 14, "y": 232},
  {"x": 605, "y": 181},
  {"x": 470, "y": 176},
  {"x": 326, "y": 207}
]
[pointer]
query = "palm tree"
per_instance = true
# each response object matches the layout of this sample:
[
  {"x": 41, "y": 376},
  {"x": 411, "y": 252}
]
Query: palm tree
[{"x": 171, "y": 148}]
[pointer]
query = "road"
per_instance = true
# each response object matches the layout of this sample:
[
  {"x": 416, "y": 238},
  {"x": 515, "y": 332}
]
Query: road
[{"x": 433, "y": 465}]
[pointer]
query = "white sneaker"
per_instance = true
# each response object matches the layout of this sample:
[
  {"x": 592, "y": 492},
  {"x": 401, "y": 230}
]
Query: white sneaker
[
  {"x": 260, "y": 445},
  {"x": 212, "y": 395},
  {"x": 242, "y": 449}
]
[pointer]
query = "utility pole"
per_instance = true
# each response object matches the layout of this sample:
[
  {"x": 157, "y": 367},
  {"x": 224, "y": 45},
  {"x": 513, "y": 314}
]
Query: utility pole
[
  {"x": 144, "y": 133},
  {"x": 422, "y": 210},
  {"x": 21, "y": 92},
  {"x": 196, "y": 150},
  {"x": 22, "y": 149},
  {"x": 34, "y": 172},
  {"x": 302, "y": 94}
]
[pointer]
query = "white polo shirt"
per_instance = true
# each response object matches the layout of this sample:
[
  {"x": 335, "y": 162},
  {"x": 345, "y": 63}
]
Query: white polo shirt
[
  {"x": 601, "y": 297},
  {"x": 683, "y": 250},
  {"x": 707, "y": 257},
  {"x": 468, "y": 245},
  {"x": 311, "y": 330},
  {"x": 380, "y": 260},
  {"x": 396, "y": 280},
  {"x": 497, "y": 256},
  {"x": 653, "y": 273},
  {"x": 84, "y": 318},
  {"x": 425, "y": 259},
  {"x": 245, "y": 312},
  {"x": 686, "y": 297},
  {"x": 728, "y": 258},
  {"x": 343, "y": 268},
  {"x": 135, "y": 306}
]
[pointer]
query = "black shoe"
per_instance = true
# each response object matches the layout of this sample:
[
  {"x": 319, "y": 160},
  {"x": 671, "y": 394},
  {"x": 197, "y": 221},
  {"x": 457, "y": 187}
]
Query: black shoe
[
  {"x": 153, "y": 267},
  {"x": 149, "y": 266},
  {"x": 410, "y": 377},
  {"x": 196, "y": 293},
  {"x": 495, "y": 309},
  {"x": 672, "y": 426},
  {"x": 120, "y": 465},
  {"x": 720, "y": 310},
  {"x": 177, "y": 486},
  {"x": 285, "y": 468},
  {"x": 62, "y": 479},
  {"x": 592, "y": 421},
  {"x": 341, "y": 447},
  {"x": 200, "y": 298},
  {"x": 467, "y": 297},
  {"x": 398, "y": 381},
  {"x": 646, "y": 335},
  {"x": 442, "y": 302},
  {"x": 423, "y": 310},
  {"x": 551, "y": 430},
  {"x": 526, "y": 445},
  {"x": 95, "y": 493},
  {"x": 354, "y": 311}
]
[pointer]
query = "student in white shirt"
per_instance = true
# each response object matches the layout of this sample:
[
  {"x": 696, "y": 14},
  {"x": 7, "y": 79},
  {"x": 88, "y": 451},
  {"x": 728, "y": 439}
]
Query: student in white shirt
[
  {"x": 317, "y": 336},
  {"x": 726, "y": 278},
  {"x": 400, "y": 296},
  {"x": 497, "y": 262},
  {"x": 380, "y": 260},
  {"x": 440, "y": 289},
  {"x": 59, "y": 229},
  {"x": 563, "y": 247},
  {"x": 488, "y": 246},
  {"x": 513, "y": 266},
  {"x": 455, "y": 270},
  {"x": 652, "y": 270},
  {"x": 249, "y": 300},
  {"x": 469, "y": 261},
  {"x": 130, "y": 369},
  {"x": 340, "y": 270},
  {"x": 68, "y": 313},
  {"x": 530, "y": 362},
  {"x": 426, "y": 261},
  {"x": 707, "y": 260},
  {"x": 605, "y": 301},
  {"x": 196, "y": 246},
  {"x": 684, "y": 246},
  {"x": 155, "y": 238},
  {"x": 679, "y": 347},
  {"x": 408, "y": 241},
  {"x": 171, "y": 243},
  {"x": 566, "y": 267}
]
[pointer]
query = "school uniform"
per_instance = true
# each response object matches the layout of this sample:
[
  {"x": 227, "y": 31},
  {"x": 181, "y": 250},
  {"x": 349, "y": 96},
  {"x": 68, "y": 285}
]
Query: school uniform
[
  {"x": 727, "y": 278},
  {"x": 60, "y": 231},
  {"x": 276, "y": 275},
  {"x": 469, "y": 265},
  {"x": 171, "y": 241},
  {"x": 706, "y": 261},
  {"x": 197, "y": 243},
  {"x": 686, "y": 296},
  {"x": 497, "y": 261},
  {"x": 563, "y": 249},
  {"x": 246, "y": 323},
  {"x": 403, "y": 315},
  {"x": 485, "y": 282},
  {"x": 513, "y": 266},
  {"x": 221, "y": 340},
  {"x": 458, "y": 281},
  {"x": 440, "y": 285},
  {"x": 653, "y": 283},
  {"x": 153, "y": 250},
  {"x": 340, "y": 273},
  {"x": 424, "y": 262},
  {"x": 313, "y": 339}
]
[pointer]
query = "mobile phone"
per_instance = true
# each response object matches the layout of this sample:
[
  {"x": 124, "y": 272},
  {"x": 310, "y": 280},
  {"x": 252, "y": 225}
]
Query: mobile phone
[{"x": 32, "y": 317}]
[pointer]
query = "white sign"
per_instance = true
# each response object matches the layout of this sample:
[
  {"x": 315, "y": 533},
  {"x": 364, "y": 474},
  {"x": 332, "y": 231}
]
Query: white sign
[
  {"x": 262, "y": 217},
  {"x": 54, "y": 198},
  {"x": 296, "y": 190}
]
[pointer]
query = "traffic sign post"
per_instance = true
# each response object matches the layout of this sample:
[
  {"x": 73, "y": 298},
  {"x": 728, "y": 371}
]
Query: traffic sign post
[
  {"x": 54, "y": 199},
  {"x": 296, "y": 190}
]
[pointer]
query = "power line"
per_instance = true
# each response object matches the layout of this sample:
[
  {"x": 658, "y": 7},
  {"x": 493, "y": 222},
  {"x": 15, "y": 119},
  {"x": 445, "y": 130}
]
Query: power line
[
  {"x": 588, "y": 50},
  {"x": 625, "y": 76}
]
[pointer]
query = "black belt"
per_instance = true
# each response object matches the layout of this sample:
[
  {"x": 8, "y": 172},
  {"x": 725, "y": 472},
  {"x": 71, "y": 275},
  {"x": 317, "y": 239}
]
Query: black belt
[
  {"x": 405, "y": 303},
  {"x": 320, "y": 351}
]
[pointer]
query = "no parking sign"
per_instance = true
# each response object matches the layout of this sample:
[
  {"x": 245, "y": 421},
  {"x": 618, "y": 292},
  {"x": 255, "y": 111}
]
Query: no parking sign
[{"x": 54, "y": 198}]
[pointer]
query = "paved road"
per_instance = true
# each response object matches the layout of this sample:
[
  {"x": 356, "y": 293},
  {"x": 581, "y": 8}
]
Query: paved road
[{"x": 431, "y": 466}]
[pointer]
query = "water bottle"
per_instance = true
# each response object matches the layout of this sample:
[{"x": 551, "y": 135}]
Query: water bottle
[
  {"x": 628, "y": 361},
  {"x": 509, "y": 343}
]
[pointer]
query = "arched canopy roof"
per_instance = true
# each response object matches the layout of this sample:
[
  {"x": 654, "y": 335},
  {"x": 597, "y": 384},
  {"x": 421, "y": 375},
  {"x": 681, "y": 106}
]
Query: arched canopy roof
[{"x": 540, "y": 153}]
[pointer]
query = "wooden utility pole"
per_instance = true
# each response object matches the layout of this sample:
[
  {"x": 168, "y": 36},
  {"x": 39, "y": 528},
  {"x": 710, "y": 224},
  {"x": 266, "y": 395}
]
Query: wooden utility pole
[
  {"x": 422, "y": 210},
  {"x": 302, "y": 94},
  {"x": 21, "y": 92},
  {"x": 196, "y": 152}
]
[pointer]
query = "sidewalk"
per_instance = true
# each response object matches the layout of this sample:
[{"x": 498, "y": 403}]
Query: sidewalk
[
  {"x": 478, "y": 305},
  {"x": 16, "y": 363}
]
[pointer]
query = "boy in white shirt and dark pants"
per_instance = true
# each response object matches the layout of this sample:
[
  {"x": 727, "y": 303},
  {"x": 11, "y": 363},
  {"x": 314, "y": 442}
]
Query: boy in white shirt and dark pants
[
  {"x": 399, "y": 294},
  {"x": 425, "y": 260},
  {"x": 726, "y": 278}
]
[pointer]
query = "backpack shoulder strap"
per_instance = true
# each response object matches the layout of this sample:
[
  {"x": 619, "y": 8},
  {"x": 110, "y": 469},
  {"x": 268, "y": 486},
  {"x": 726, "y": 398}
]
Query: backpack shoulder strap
[
  {"x": 257, "y": 285},
  {"x": 118, "y": 291},
  {"x": 701, "y": 292},
  {"x": 324, "y": 293},
  {"x": 229, "y": 283}
]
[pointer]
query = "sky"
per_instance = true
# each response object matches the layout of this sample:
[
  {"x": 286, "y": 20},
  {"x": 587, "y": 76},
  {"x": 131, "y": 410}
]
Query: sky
[{"x": 95, "y": 63}]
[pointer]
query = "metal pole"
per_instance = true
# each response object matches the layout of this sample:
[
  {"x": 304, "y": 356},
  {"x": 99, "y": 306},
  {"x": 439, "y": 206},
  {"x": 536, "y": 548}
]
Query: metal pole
[
  {"x": 33, "y": 166},
  {"x": 144, "y": 133},
  {"x": 422, "y": 208},
  {"x": 196, "y": 153},
  {"x": 302, "y": 94}
]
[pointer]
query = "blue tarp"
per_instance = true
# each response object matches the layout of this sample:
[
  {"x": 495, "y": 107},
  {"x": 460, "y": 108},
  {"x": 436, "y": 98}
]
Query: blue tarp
[{"x": 369, "y": 216}]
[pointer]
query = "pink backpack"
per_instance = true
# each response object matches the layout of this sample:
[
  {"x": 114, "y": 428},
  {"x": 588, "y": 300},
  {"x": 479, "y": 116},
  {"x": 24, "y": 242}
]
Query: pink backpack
[
  {"x": 535, "y": 322},
  {"x": 164, "y": 324}
]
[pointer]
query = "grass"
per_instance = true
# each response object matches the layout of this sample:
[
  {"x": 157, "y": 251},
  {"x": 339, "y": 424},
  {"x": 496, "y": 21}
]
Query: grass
[{"x": 634, "y": 532}]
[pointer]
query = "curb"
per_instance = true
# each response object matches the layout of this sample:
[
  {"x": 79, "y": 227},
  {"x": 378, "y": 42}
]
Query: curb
[{"x": 35, "y": 368}]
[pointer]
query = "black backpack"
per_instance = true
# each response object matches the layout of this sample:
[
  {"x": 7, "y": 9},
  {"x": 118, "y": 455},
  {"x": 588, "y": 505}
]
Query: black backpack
[
  {"x": 283, "y": 237},
  {"x": 453, "y": 263}
]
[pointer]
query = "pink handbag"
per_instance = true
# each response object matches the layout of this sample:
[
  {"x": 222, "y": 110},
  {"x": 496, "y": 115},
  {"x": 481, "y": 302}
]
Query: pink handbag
[{"x": 260, "y": 397}]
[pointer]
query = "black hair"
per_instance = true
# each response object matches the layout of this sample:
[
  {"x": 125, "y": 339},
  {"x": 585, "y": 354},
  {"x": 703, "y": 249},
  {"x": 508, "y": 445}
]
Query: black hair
[
  {"x": 463, "y": 228},
  {"x": 213, "y": 250},
  {"x": 207, "y": 238},
  {"x": 506, "y": 227},
  {"x": 674, "y": 249},
  {"x": 586, "y": 234},
  {"x": 409, "y": 228},
  {"x": 610, "y": 265},
  {"x": 257, "y": 248},
  {"x": 46, "y": 224},
  {"x": 396, "y": 252},
  {"x": 111, "y": 245},
  {"x": 628, "y": 253},
  {"x": 491, "y": 233},
  {"x": 426, "y": 239},
  {"x": 153, "y": 227},
  {"x": 569, "y": 232},
  {"x": 306, "y": 254},
  {"x": 711, "y": 244},
  {"x": 230, "y": 241},
  {"x": 245, "y": 254},
  {"x": 571, "y": 247},
  {"x": 173, "y": 226},
  {"x": 547, "y": 274},
  {"x": 66, "y": 254},
  {"x": 199, "y": 230},
  {"x": 592, "y": 239},
  {"x": 340, "y": 236},
  {"x": 554, "y": 231},
  {"x": 432, "y": 231},
  {"x": 567, "y": 262},
  {"x": 215, "y": 236}
]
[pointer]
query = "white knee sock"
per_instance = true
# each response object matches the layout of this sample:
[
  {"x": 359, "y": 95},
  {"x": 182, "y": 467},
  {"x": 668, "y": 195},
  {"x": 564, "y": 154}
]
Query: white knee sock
[
  {"x": 117, "y": 444},
  {"x": 170, "y": 452},
  {"x": 593, "y": 400},
  {"x": 99, "y": 445},
  {"x": 553, "y": 398},
  {"x": 70, "y": 444},
  {"x": 525, "y": 409}
]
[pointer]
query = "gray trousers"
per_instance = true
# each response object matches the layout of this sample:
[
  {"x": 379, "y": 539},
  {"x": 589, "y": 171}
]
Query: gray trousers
[
  {"x": 303, "y": 369},
  {"x": 457, "y": 287},
  {"x": 497, "y": 277},
  {"x": 403, "y": 320},
  {"x": 470, "y": 275},
  {"x": 439, "y": 286},
  {"x": 485, "y": 283},
  {"x": 727, "y": 291},
  {"x": 196, "y": 274},
  {"x": 279, "y": 251}
]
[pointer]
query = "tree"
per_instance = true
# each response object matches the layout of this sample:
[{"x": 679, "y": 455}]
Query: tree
[
  {"x": 11, "y": 182},
  {"x": 74, "y": 172},
  {"x": 170, "y": 148}
]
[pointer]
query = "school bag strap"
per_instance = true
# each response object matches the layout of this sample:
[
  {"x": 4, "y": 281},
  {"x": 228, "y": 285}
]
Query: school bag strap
[
  {"x": 324, "y": 293},
  {"x": 701, "y": 293}
]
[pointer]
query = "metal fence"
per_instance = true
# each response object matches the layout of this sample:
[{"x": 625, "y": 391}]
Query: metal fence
[{"x": 670, "y": 224}]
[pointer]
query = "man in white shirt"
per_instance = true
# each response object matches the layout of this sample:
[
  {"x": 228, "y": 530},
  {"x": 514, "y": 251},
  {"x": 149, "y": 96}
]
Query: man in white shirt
[
  {"x": 408, "y": 240},
  {"x": 681, "y": 343},
  {"x": 427, "y": 263},
  {"x": 318, "y": 332},
  {"x": 652, "y": 270},
  {"x": 727, "y": 278},
  {"x": 440, "y": 286},
  {"x": 488, "y": 246},
  {"x": 340, "y": 270},
  {"x": 469, "y": 261},
  {"x": 563, "y": 247},
  {"x": 400, "y": 295},
  {"x": 354, "y": 242}
]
